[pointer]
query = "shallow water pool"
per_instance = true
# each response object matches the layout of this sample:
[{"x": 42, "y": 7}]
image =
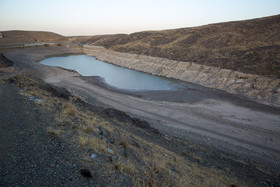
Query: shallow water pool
[{"x": 113, "y": 75}]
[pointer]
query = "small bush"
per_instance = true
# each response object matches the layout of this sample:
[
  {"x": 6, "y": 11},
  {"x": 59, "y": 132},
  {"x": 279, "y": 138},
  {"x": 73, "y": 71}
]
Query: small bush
[
  {"x": 83, "y": 140},
  {"x": 46, "y": 45},
  {"x": 98, "y": 144},
  {"x": 88, "y": 129},
  {"x": 70, "y": 109}
]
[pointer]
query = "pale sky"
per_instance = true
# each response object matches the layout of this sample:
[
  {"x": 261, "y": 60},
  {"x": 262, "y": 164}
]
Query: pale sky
[{"x": 92, "y": 17}]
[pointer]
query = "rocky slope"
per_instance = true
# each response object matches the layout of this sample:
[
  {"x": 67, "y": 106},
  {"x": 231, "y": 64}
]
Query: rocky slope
[
  {"x": 254, "y": 86},
  {"x": 250, "y": 46}
]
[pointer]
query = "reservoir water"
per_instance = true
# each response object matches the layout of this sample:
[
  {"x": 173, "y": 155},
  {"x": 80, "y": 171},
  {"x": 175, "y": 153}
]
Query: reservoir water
[{"x": 113, "y": 75}]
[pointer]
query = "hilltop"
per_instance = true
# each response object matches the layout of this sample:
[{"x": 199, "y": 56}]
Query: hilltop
[
  {"x": 25, "y": 37},
  {"x": 249, "y": 46}
]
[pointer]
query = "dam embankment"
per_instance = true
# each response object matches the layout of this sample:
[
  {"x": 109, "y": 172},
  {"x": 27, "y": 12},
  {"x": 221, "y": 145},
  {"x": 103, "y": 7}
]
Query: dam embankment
[{"x": 253, "y": 86}]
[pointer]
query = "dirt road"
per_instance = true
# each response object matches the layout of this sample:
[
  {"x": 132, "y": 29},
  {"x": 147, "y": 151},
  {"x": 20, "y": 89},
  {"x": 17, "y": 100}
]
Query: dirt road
[{"x": 243, "y": 128}]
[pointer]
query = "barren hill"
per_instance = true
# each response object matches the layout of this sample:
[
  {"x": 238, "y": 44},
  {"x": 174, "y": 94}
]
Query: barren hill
[
  {"x": 100, "y": 40},
  {"x": 250, "y": 46},
  {"x": 19, "y": 37}
]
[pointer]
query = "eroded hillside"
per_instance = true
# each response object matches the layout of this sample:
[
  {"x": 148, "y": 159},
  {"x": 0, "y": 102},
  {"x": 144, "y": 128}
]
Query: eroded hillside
[{"x": 250, "y": 46}]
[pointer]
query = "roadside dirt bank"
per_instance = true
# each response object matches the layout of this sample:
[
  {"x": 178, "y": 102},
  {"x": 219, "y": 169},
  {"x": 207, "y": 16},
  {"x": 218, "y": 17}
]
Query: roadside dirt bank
[
  {"x": 80, "y": 133},
  {"x": 247, "y": 132},
  {"x": 253, "y": 86}
]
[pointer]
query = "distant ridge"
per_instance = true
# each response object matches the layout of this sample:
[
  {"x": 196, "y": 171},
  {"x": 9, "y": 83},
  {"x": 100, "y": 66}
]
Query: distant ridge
[
  {"x": 19, "y": 37},
  {"x": 249, "y": 46}
]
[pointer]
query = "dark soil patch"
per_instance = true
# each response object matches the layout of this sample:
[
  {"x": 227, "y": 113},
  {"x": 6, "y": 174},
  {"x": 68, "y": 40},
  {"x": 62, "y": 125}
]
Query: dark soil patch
[
  {"x": 123, "y": 117},
  {"x": 4, "y": 62}
]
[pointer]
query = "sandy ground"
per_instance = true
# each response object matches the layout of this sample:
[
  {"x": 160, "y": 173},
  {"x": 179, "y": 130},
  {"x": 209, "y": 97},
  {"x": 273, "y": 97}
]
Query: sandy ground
[{"x": 229, "y": 123}]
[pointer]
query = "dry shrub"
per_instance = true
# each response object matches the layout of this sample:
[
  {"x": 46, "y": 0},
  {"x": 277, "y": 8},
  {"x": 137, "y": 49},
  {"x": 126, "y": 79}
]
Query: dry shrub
[
  {"x": 69, "y": 109},
  {"x": 127, "y": 167},
  {"x": 93, "y": 142},
  {"x": 83, "y": 140},
  {"x": 90, "y": 129},
  {"x": 97, "y": 144}
]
